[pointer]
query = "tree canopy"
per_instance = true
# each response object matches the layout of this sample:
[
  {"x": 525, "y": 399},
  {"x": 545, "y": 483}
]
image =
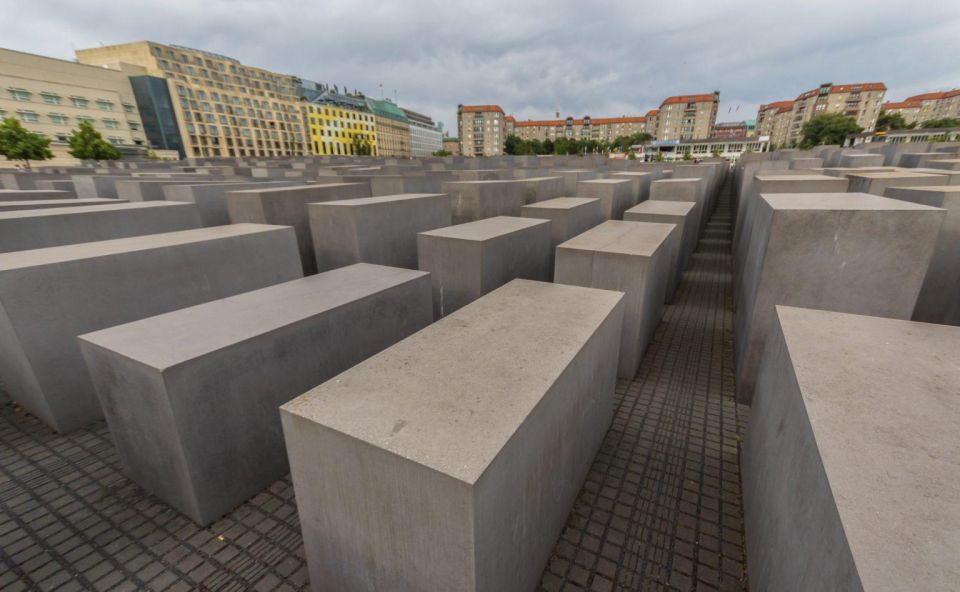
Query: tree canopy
[
  {"x": 18, "y": 143},
  {"x": 892, "y": 121},
  {"x": 943, "y": 122},
  {"x": 828, "y": 128},
  {"x": 86, "y": 143},
  {"x": 516, "y": 145}
]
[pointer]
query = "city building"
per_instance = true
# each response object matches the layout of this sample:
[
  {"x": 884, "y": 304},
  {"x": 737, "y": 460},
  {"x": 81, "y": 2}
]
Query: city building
[
  {"x": 339, "y": 124},
  {"x": 425, "y": 137},
  {"x": 452, "y": 145},
  {"x": 920, "y": 108},
  {"x": 731, "y": 130},
  {"x": 52, "y": 97},
  {"x": 482, "y": 130},
  {"x": 222, "y": 107},
  {"x": 393, "y": 128},
  {"x": 686, "y": 117},
  {"x": 653, "y": 120},
  {"x": 728, "y": 148},
  {"x": 604, "y": 129},
  {"x": 767, "y": 117},
  {"x": 861, "y": 101}
]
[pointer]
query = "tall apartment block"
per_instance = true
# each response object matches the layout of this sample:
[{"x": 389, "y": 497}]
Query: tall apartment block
[
  {"x": 920, "y": 108},
  {"x": 687, "y": 117},
  {"x": 587, "y": 128},
  {"x": 52, "y": 97},
  {"x": 425, "y": 138},
  {"x": 784, "y": 124},
  {"x": 482, "y": 130},
  {"x": 339, "y": 124},
  {"x": 222, "y": 107}
]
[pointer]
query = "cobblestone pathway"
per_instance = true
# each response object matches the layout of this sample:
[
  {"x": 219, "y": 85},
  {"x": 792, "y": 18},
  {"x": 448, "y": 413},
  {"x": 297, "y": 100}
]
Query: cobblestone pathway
[{"x": 660, "y": 510}]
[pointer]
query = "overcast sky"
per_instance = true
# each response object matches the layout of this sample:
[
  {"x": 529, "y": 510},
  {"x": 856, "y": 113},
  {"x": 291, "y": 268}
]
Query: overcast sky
[{"x": 535, "y": 58}]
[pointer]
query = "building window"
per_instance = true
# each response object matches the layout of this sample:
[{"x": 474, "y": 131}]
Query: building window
[
  {"x": 19, "y": 95},
  {"x": 29, "y": 116},
  {"x": 104, "y": 105},
  {"x": 134, "y": 126},
  {"x": 111, "y": 123},
  {"x": 50, "y": 98},
  {"x": 84, "y": 119},
  {"x": 58, "y": 119}
]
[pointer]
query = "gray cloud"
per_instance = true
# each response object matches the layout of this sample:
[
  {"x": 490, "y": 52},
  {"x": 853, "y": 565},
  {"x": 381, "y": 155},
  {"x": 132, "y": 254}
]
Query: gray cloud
[{"x": 534, "y": 58}]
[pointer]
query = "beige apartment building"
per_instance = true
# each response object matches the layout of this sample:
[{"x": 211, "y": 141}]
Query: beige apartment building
[
  {"x": 51, "y": 97},
  {"x": 652, "y": 121},
  {"x": 861, "y": 101},
  {"x": 604, "y": 129},
  {"x": 687, "y": 117},
  {"x": 223, "y": 107},
  {"x": 767, "y": 117},
  {"x": 920, "y": 108},
  {"x": 482, "y": 130}
]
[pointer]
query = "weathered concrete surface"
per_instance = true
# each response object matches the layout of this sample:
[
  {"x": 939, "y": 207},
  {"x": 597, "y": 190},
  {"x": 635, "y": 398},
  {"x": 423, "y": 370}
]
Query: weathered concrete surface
[
  {"x": 33, "y": 194},
  {"x": 37, "y": 204},
  {"x": 939, "y": 299},
  {"x": 632, "y": 257},
  {"x": 850, "y": 478},
  {"x": 679, "y": 213},
  {"x": 139, "y": 189},
  {"x": 878, "y": 182},
  {"x": 688, "y": 190},
  {"x": 641, "y": 183},
  {"x": 861, "y": 160},
  {"x": 191, "y": 396},
  {"x": 381, "y": 230},
  {"x": 210, "y": 198},
  {"x": 451, "y": 460},
  {"x": 468, "y": 260},
  {"x": 847, "y": 252},
  {"x": 806, "y": 163},
  {"x": 947, "y": 164},
  {"x": 288, "y": 206},
  {"x": 49, "y": 296},
  {"x": 920, "y": 159},
  {"x": 568, "y": 216},
  {"x": 537, "y": 189},
  {"x": 36, "y": 229},
  {"x": 615, "y": 195},
  {"x": 476, "y": 200},
  {"x": 571, "y": 177}
]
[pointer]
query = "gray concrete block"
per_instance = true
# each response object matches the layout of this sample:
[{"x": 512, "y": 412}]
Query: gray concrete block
[
  {"x": 23, "y": 230},
  {"x": 615, "y": 195},
  {"x": 451, "y": 460},
  {"x": 33, "y": 194},
  {"x": 476, "y": 200},
  {"x": 536, "y": 189},
  {"x": 806, "y": 163},
  {"x": 878, "y": 182},
  {"x": 380, "y": 230},
  {"x": 636, "y": 258},
  {"x": 573, "y": 176},
  {"x": 688, "y": 190},
  {"x": 641, "y": 183},
  {"x": 849, "y": 462},
  {"x": 920, "y": 159},
  {"x": 288, "y": 206},
  {"x": 153, "y": 189},
  {"x": 947, "y": 164},
  {"x": 568, "y": 216},
  {"x": 845, "y": 252},
  {"x": 191, "y": 396},
  {"x": 469, "y": 260},
  {"x": 679, "y": 213},
  {"x": 38, "y": 204},
  {"x": 939, "y": 299},
  {"x": 49, "y": 296},
  {"x": 861, "y": 160},
  {"x": 210, "y": 198}
]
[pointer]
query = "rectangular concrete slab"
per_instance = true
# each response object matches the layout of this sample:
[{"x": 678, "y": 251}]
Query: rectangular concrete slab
[
  {"x": 850, "y": 477},
  {"x": 679, "y": 213},
  {"x": 846, "y": 252},
  {"x": 23, "y": 230},
  {"x": 191, "y": 396},
  {"x": 469, "y": 260},
  {"x": 878, "y": 182},
  {"x": 568, "y": 216},
  {"x": 636, "y": 258},
  {"x": 536, "y": 189},
  {"x": 288, "y": 206},
  {"x": 451, "y": 460},
  {"x": 688, "y": 190},
  {"x": 616, "y": 195},
  {"x": 38, "y": 204},
  {"x": 210, "y": 198},
  {"x": 477, "y": 200},
  {"x": 32, "y": 194},
  {"x": 380, "y": 230},
  {"x": 939, "y": 299},
  {"x": 50, "y": 296}
]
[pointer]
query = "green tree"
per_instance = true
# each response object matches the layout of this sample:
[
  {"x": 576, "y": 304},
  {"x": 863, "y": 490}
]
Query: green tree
[
  {"x": 891, "y": 121},
  {"x": 686, "y": 155},
  {"x": 828, "y": 128},
  {"x": 361, "y": 146},
  {"x": 443, "y": 153},
  {"x": 943, "y": 122},
  {"x": 658, "y": 157},
  {"x": 512, "y": 144},
  {"x": 86, "y": 143},
  {"x": 18, "y": 143},
  {"x": 632, "y": 156}
]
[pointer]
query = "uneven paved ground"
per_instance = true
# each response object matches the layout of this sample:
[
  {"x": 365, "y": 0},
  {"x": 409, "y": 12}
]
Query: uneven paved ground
[{"x": 661, "y": 508}]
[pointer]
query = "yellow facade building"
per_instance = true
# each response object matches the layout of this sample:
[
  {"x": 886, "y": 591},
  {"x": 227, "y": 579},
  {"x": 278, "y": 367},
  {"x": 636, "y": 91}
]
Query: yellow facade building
[{"x": 338, "y": 127}]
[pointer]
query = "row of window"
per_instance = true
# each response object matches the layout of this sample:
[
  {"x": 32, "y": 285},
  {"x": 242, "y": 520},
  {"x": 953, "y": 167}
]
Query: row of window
[
  {"x": 61, "y": 119},
  {"x": 51, "y": 98}
]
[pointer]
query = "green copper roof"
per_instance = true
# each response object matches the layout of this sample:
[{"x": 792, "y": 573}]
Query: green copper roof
[{"x": 387, "y": 109}]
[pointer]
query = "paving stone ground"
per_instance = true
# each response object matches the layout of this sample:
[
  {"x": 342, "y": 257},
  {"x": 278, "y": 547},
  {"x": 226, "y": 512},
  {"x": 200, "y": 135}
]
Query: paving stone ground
[{"x": 660, "y": 510}]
